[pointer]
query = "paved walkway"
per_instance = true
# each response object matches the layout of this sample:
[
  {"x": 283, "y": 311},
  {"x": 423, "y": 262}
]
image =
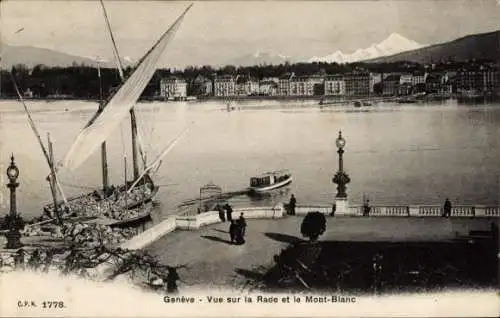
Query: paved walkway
[{"x": 213, "y": 261}]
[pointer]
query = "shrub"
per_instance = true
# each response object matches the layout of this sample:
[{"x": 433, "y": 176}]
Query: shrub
[{"x": 313, "y": 225}]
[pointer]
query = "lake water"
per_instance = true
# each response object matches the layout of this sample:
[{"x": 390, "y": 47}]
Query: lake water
[{"x": 395, "y": 154}]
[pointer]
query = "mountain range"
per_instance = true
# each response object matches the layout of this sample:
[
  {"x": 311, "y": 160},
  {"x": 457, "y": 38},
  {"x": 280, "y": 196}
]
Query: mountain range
[
  {"x": 483, "y": 46},
  {"x": 394, "y": 48},
  {"x": 31, "y": 56},
  {"x": 394, "y": 44}
]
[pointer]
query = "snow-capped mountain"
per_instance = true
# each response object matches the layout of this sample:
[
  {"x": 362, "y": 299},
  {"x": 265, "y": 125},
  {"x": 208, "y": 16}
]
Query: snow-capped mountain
[{"x": 394, "y": 44}]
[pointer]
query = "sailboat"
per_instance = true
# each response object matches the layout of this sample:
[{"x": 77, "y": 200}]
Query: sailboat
[{"x": 116, "y": 202}]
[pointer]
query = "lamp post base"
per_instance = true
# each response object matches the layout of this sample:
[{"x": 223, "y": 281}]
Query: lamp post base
[
  {"x": 13, "y": 240},
  {"x": 342, "y": 207}
]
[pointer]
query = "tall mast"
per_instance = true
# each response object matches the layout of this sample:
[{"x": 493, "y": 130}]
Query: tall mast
[
  {"x": 133, "y": 126},
  {"x": 52, "y": 182},
  {"x": 133, "y": 121},
  {"x": 45, "y": 153},
  {"x": 104, "y": 161}
]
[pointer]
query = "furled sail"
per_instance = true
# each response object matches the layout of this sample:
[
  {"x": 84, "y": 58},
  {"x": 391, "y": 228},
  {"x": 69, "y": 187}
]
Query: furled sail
[{"x": 117, "y": 108}]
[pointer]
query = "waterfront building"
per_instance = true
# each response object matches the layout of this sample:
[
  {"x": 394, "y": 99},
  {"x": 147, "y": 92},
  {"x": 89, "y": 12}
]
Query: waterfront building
[
  {"x": 225, "y": 86},
  {"x": 406, "y": 79},
  {"x": 491, "y": 80},
  {"x": 357, "y": 84},
  {"x": 470, "y": 80},
  {"x": 334, "y": 85},
  {"x": 433, "y": 83},
  {"x": 284, "y": 84},
  {"x": 418, "y": 78},
  {"x": 390, "y": 85},
  {"x": 375, "y": 78},
  {"x": 306, "y": 86},
  {"x": 173, "y": 88},
  {"x": 405, "y": 89},
  {"x": 268, "y": 87},
  {"x": 301, "y": 86},
  {"x": 405, "y": 84},
  {"x": 318, "y": 81},
  {"x": 246, "y": 86},
  {"x": 28, "y": 93},
  {"x": 201, "y": 86}
]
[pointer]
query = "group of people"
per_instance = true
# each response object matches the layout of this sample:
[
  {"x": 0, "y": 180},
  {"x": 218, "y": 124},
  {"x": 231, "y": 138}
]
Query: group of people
[
  {"x": 237, "y": 227},
  {"x": 225, "y": 211}
]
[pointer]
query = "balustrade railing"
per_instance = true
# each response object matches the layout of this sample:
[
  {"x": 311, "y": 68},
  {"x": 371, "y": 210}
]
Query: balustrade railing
[
  {"x": 463, "y": 211},
  {"x": 492, "y": 211},
  {"x": 391, "y": 210},
  {"x": 407, "y": 210}
]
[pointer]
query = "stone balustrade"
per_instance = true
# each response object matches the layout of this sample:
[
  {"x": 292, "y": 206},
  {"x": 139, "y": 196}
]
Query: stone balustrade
[
  {"x": 194, "y": 222},
  {"x": 304, "y": 209},
  {"x": 492, "y": 211},
  {"x": 429, "y": 210}
]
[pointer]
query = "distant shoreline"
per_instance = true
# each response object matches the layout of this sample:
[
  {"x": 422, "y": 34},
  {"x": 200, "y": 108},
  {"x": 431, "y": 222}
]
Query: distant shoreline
[{"x": 327, "y": 99}]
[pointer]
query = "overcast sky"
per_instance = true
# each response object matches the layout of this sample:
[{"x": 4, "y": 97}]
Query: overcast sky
[{"x": 216, "y": 31}]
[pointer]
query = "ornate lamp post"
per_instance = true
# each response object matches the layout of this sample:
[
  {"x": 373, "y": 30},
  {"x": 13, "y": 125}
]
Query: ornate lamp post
[
  {"x": 341, "y": 178},
  {"x": 13, "y": 220}
]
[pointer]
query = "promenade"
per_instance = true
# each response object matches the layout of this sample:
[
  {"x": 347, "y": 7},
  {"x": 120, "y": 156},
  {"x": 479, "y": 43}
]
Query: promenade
[{"x": 214, "y": 262}]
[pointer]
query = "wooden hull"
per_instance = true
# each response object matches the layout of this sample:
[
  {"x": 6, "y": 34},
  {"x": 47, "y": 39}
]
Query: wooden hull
[
  {"x": 85, "y": 211},
  {"x": 144, "y": 216},
  {"x": 271, "y": 186}
]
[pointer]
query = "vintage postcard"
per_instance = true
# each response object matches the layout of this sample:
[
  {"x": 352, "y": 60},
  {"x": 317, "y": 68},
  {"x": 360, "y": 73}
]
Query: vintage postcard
[{"x": 249, "y": 158}]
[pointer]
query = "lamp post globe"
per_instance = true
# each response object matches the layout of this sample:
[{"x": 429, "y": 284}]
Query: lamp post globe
[
  {"x": 12, "y": 170},
  {"x": 340, "y": 142}
]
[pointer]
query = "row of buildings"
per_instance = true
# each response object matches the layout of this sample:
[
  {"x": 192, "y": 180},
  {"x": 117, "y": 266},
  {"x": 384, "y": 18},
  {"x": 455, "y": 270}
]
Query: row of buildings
[{"x": 355, "y": 84}]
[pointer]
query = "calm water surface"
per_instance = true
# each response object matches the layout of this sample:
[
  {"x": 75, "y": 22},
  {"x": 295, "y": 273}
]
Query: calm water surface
[{"x": 416, "y": 154}]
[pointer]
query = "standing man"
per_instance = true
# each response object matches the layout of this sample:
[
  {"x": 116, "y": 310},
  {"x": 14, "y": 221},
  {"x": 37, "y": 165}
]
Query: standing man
[
  {"x": 242, "y": 226},
  {"x": 447, "y": 208},
  {"x": 334, "y": 208},
  {"x": 366, "y": 208},
  {"x": 291, "y": 204},
  {"x": 229, "y": 212},
  {"x": 233, "y": 231},
  {"x": 219, "y": 208}
]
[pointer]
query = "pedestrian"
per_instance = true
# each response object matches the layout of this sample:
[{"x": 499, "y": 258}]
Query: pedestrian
[
  {"x": 229, "y": 212},
  {"x": 19, "y": 258},
  {"x": 239, "y": 238},
  {"x": 366, "y": 208},
  {"x": 241, "y": 226},
  {"x": 219, "y": 208},
  {"x": 233, "y": 231},
  {"x": 447, "y": 208},
  {"x": 172, "y": 278},
  {"x": 291, "y": 205},
  {"x": 334, "y": 209}
]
